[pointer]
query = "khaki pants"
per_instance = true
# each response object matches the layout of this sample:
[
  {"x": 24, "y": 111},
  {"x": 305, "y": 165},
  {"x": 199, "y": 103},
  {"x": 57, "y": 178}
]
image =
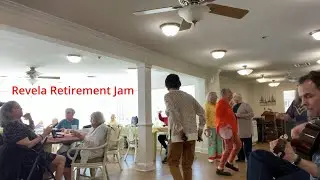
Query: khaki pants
[{"x": 187, "y": 151}]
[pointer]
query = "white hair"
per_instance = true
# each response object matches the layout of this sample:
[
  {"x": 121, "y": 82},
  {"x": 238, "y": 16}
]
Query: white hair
[
  {"x": 237, "y": 96},
  {"x": 98, "y": 117},
  {"x": 70, "y": 110}
]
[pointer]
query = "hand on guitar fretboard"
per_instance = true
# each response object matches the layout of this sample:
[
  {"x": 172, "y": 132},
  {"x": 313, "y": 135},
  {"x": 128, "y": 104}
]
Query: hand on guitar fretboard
[{"x": 279, "y": 149}]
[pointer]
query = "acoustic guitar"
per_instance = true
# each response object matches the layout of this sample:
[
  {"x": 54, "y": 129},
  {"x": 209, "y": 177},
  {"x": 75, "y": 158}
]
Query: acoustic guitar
[{"x": 306, "y": 145}]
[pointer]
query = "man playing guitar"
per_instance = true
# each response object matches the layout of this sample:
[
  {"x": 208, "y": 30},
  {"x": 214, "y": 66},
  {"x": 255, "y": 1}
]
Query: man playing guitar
[{"x": 264, "y": 165}]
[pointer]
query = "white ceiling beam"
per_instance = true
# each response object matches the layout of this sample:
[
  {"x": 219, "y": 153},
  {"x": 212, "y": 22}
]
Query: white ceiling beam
[{"x": 19, "y": 18}]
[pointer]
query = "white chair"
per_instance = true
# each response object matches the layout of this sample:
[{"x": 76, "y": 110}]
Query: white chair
[
  {"x": 132, "y": 140},
  {"x": 100, "y": 162}
]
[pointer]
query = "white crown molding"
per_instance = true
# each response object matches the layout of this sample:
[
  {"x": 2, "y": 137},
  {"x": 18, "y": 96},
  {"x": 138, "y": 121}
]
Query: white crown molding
[{"x": 22, "y": 19}]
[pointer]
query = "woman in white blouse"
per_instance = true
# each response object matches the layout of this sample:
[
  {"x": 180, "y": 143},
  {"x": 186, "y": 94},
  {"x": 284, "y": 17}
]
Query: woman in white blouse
[{"x": 94, "y": 138}]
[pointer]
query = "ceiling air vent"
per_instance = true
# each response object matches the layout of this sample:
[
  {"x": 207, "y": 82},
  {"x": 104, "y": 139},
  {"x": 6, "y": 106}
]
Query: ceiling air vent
[{"x": 302, "y": 65}]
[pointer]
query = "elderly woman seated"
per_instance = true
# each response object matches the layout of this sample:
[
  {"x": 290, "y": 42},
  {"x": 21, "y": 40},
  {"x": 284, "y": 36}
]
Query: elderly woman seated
[
  {"x": 17, "y": 135},
  {"x": 94, "y": 138}
]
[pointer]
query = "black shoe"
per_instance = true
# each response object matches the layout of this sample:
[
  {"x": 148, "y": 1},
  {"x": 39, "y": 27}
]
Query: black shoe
[
  {"x": 164, "y": 161},
  {"x": 222, "y": 172},
  {"x": 230, "y": 166}
]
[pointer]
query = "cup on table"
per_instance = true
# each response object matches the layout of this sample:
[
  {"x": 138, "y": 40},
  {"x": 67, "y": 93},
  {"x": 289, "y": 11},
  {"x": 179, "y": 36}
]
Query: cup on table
[{"x": 74, "y": 127}]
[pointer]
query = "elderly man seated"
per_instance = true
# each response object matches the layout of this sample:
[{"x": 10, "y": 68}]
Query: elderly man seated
[{"x": 94, "y": 138}]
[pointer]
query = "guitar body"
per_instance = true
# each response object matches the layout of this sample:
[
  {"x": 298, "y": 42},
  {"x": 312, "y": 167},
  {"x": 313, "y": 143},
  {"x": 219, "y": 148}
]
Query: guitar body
[
  {"x": 309, "y": 140},
  {"x": 306, "y": 145}
]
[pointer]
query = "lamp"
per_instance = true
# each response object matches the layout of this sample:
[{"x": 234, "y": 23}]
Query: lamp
[
  {"x": 316, "y": 35},
  {"x": 262, "y": 79},
  {"x": 73, "y": 58},
  {"x": 218, "y": 54},
  {"x": 170, "y": 29},
  {"x": 274, "y": 84},
  {"x": 318, "y": 61},
  {"x": 245, "y": 71}
]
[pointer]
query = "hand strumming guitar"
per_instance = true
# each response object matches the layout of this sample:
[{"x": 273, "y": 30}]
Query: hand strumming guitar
[{"x": 282, "y": 148}]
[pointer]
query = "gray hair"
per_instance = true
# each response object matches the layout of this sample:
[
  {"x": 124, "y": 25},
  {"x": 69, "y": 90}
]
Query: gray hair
[
  {"x": 70, "y": 110},
  {"x": 98, "y": 117},
  {"x": 6, "y": 108},
  {"x": 224, "y": 91}
]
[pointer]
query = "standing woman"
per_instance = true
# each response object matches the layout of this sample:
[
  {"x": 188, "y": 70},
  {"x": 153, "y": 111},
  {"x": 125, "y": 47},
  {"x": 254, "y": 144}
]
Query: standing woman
[
  {"x": 214, "y": 140},
  {"x": 244, "y": 114}
]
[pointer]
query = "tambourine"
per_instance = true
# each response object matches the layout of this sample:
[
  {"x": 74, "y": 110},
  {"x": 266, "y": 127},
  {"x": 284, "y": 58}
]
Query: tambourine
[{"x": 226, "y": 132}]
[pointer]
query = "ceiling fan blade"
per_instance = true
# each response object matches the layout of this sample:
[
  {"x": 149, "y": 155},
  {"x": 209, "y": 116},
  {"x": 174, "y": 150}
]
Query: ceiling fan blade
[
  {"x": 227, "y": 11},
  {"x": 185, "y": 25},
  {"x": 49, "y": 77},
  {"x": 155, "y": 11}
]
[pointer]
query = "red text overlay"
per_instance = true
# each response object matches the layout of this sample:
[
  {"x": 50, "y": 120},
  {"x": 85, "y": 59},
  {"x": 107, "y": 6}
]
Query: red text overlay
[{"x": 54, "y": 90}]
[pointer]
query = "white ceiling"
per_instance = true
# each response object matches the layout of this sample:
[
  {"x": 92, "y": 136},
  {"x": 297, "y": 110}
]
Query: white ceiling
[
  {"x": 19, "y": 51},
  {"x": 287, "y": 24}
]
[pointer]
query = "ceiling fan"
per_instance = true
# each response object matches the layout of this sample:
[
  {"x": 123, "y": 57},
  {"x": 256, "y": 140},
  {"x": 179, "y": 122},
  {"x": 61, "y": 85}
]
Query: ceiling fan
[
  {"x": 32, "y": 75},
  {"x": 192, "y": 11}
]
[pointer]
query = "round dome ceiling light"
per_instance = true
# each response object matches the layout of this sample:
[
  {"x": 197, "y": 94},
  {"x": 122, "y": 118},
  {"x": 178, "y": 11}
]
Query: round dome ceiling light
[
  {"x": 316, "y": 34},
  {"x": 262, "y": 79},
  {"x": 170, "y": 29},
  {"x": 274, "y": 84},
  {"x": 73, "y": 58},
  {"x": 218, "y": 54},
  {"x": 245, "y": 71}
]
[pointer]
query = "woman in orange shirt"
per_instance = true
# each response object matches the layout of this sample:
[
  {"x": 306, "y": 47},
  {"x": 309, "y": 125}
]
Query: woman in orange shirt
[{"x": 227, "y": 128}]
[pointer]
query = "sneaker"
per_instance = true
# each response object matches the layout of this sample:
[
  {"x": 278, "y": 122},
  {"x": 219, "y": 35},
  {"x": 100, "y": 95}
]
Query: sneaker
[
  {"x": 231, "y": 166},
  {"x": 211, "y": 159},
  {"x": 222, "y": 172}
]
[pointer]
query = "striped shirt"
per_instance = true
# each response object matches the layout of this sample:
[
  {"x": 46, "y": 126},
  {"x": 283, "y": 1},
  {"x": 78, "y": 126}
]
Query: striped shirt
[{"x": 182, "y": 109}]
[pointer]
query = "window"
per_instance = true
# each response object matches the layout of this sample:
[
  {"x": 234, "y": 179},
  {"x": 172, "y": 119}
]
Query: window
[
  {"x": 158, "y": 101},
  {"x": 288, "y": 97},
  {"x": 44, "y": 108}
]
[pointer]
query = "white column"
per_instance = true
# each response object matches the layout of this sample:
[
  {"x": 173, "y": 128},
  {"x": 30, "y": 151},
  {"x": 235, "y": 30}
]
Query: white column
[
  {"x": 144, "y": 161},
  {"x": 214, "y": 83}
]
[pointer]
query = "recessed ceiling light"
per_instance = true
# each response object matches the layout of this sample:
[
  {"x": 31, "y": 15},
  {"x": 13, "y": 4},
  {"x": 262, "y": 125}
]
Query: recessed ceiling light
[
  {"x": 73, "y": 58},
  {"x": 218, "y": 54},
  {"x": 245, "y": 71},
  {"x": 316, "y": 35},
  {"x": 302, "y": 64},
  {"x": 170, "y": 29}
]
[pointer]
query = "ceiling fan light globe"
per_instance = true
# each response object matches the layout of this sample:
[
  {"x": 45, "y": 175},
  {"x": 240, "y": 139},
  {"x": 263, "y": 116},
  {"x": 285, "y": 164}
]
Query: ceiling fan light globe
[
  {"x": 170, "y": 29},
  {"x": 245, "y": 72},
  {"x": 316, "y": 35},
  {"x": 193, "y": 13},
  {"x": 74, "y": 58}
]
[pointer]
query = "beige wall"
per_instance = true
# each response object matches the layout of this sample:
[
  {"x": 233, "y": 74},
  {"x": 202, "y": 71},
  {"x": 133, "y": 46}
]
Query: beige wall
[{"x": 252, "y": 93}]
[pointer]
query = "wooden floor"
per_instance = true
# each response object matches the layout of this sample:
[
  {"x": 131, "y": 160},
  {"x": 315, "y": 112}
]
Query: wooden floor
[{"x": 202, "y": 170}]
